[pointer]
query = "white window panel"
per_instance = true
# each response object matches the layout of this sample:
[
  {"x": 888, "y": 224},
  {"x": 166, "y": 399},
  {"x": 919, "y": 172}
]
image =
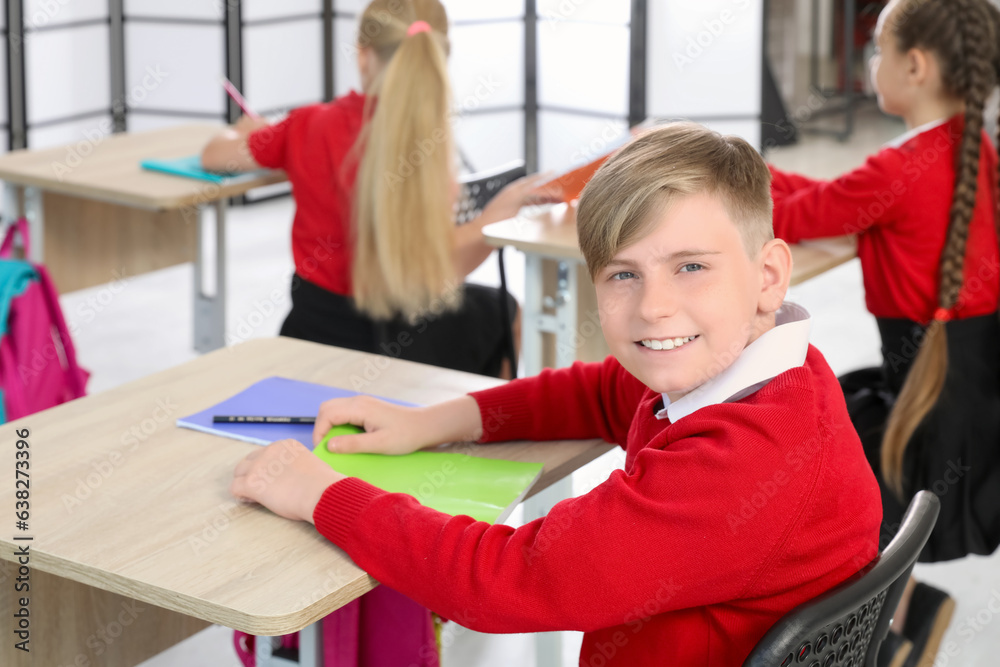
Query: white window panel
[
  {"x": 188, "y": 9},
  {"x": 141, "y": 122},
  {"x": 4, "y": 140},
  {"x": 67, "y": 72},
  {"x": 43, "y": 13},
  {"x": 476, "y": 10},
  {"x": 748, "y": 128},
  {"x": 350, "y": 6},
  {"x": 557, "y": 11},
  {"x": 487, "y": 65},
  {"x": 79, "y": 137},
  {"x": 254, "y": 10},
  {"x": 345, "y": 57},
  {"x": 584, "y": 66},
  {"x": 567, "y": 140},
  {"x": 283, "y": 64},
  {"x": 489, "y": 140},
  {"x": 704, "y": 58},
  {"x": 174, "y": 67}
]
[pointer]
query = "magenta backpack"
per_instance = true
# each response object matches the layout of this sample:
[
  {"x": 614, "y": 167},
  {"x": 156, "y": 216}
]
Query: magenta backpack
[{"x": 38, "y": 368}]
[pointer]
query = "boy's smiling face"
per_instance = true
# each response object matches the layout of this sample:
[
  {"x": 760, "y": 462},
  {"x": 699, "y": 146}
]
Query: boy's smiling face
[{"x": 678, "y": 306}]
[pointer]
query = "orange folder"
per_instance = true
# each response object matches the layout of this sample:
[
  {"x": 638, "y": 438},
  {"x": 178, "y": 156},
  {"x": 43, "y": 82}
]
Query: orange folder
[{"x": 571, "y": 183}]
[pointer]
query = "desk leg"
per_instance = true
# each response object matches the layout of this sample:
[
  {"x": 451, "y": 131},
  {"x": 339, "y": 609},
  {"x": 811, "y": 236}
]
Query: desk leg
[
  {"x": 210, "y": 311},
  {"x": 311, "y": 645},
  {"x": 566, "y": 300},
  {"x": 310, "y": 649},
  {"x": 36, "y": 223},
  {"x": 263, "y": 650},
  {"x": 32, "y": 201},
  {"x": 11, "y": 204},
  {"x": 534, "y": 318}
]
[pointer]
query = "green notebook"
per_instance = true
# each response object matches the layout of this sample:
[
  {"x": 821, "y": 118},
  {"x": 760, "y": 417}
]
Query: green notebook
[{"x": 485, "y": 489}]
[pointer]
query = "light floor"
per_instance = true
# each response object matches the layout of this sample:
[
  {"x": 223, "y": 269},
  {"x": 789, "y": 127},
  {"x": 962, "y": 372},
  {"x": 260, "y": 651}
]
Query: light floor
[{"x": 127, "y": 330}]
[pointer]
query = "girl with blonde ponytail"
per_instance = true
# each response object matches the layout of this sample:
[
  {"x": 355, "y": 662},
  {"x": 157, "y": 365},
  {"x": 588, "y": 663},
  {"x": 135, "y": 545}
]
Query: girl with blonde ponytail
[
  {"x": 379, "y": 262},
  {"x": 925, "y": 212}
]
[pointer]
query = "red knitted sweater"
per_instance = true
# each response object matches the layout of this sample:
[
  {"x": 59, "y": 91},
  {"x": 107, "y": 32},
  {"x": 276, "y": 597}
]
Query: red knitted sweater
[{"x": 718, "y": 525}]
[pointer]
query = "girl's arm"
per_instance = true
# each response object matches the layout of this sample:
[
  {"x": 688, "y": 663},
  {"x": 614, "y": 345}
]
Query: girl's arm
[
  {"x": 471, "y": 248},
  {"x": 786, "y": 182},
  {"x": 228, "y": 150},
  {"x": 872, "y": 194}
]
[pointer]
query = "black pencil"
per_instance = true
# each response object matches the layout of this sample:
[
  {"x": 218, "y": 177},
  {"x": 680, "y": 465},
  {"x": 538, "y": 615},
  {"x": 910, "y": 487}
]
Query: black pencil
[{"x": 243, "y": 419}]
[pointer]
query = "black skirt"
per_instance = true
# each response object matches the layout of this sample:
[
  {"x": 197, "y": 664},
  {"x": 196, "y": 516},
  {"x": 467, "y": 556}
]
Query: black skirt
[
  {"x": 470, "y": 339},
  {"x": 955, "y": 453}
]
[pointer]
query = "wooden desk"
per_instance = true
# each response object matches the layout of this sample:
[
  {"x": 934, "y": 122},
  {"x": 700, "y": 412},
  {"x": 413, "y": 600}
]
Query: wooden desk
[
  {"x": 559, "y": 298},
  {"x": 110, "y": 216},
  {"x": 127, "y": 507}
]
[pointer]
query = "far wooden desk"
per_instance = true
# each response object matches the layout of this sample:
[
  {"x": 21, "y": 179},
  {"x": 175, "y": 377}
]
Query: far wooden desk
[
  {"x": 137, "y": 543},
  {"x": 560, "y": 300},
  {"x": 106, "y": 170}
]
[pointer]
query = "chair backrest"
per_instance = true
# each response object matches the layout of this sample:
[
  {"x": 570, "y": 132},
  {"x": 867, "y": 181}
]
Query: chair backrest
[
  {"x": 846, "y": 625},
  {"x": 479, "y": 188}
]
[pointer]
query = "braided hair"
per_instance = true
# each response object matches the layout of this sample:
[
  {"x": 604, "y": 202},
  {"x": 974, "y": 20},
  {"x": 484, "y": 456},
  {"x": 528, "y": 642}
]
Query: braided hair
[{"x": 963, "y": 36}]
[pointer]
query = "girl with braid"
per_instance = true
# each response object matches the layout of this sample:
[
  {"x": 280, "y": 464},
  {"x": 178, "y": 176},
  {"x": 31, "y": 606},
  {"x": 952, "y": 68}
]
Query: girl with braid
[{"x": 924, "y": 210}]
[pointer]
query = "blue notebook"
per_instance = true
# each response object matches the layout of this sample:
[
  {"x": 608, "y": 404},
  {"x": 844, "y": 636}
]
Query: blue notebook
[
  {"x": 273, "y": 396},
  {"x": 451, "y": 482},
  {"x": 190, "y": 167}
]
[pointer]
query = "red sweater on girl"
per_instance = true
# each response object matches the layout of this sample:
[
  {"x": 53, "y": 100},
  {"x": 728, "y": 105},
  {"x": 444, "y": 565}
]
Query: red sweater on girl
[
  {"x": 897, "y": 203},
  {"x": 314, "y": 145},
  {"x": 719, "y": 524}
]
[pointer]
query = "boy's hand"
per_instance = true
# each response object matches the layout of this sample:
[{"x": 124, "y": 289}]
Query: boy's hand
[
  {"x": 284, "y": 477},
  {"x": 389, "y": 428}
]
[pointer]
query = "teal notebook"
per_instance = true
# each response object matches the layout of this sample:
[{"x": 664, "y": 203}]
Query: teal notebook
[
  {"x": 190, "y": 167},
  {"x": 485, "y": 489}
]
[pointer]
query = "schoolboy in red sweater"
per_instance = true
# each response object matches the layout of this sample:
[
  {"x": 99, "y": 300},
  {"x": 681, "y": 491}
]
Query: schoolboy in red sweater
[{"x": 745, "y": 489}]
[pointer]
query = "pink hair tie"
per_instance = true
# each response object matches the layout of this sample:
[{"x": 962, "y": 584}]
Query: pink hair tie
[
  {"x": 417, "y": 26},
  {"x": 942, "y": 315}
]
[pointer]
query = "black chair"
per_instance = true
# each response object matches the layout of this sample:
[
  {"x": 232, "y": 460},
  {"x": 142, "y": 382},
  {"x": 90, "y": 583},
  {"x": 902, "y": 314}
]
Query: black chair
[
  {"x": 477, "y": 190},
  {"x": 846, "y": 625}
]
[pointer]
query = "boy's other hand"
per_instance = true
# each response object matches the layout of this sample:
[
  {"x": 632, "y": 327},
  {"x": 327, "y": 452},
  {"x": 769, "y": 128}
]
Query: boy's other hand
[
  {"x": 389, "y": 428},
  {"x": 284, "y": 477}
]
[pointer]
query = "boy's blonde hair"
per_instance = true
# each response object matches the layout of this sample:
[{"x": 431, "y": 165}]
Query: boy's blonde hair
[
  {"x": 621, "y": 202},
  {"x": 403, "y": 219}
]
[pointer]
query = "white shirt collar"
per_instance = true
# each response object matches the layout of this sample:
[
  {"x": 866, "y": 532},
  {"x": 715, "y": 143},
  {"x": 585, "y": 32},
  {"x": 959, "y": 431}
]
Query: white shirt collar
[
  {"x": 906, "y": 136},
  {"x": 775, "y": 351}
]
